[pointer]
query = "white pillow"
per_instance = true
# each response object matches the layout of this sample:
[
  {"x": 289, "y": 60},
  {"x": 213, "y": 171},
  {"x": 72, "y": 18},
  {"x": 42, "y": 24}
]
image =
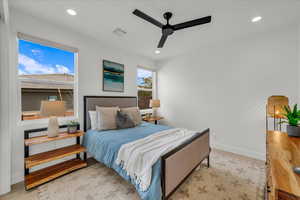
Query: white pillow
[{"x": 93, "y": 119}]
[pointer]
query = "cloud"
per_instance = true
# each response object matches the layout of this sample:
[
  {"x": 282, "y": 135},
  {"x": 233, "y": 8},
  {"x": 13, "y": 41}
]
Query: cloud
[
  {"x": 36, "y": 51},
  {"x": 144, "y": 73},
  {"x": 32, "y": 66},
  {"x": 21, "y": 72},
  {"x": 62, "y": 69}
]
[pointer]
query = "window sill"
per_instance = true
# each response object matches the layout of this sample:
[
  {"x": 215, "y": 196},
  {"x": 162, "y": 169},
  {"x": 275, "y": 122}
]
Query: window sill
[
  {"x": 44, "y": 122},
  {"x": 146, "y": 111}
]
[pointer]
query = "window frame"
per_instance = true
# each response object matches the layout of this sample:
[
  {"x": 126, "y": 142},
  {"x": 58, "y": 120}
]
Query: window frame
[
  {"x": 44, "y": 42},
  {"x": 154, "y": 86}
]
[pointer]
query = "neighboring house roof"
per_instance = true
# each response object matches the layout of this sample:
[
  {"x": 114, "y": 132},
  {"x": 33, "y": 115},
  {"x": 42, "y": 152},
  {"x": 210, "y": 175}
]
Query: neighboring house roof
[{"x": 47, "y": 81}]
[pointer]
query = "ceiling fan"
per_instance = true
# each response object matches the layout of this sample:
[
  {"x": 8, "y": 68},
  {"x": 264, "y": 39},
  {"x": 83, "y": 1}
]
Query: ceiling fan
[{"x": 169, "y": 29}]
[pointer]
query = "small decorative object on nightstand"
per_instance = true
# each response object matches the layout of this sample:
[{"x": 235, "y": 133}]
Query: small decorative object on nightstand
[
  {"x": 38, "y": 177},
  {"x": 153, "y": 119},
  {"x": 72, "y": 126},
  {"x": 52, "y": 109}
]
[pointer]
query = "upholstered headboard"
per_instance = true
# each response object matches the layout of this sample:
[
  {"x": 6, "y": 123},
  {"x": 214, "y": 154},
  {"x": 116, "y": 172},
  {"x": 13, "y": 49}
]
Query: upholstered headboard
[{"x": 90, "y": 103}]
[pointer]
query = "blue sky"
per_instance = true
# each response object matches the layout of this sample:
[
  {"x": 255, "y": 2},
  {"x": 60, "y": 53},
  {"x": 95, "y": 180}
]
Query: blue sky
[
  {"x": 142, "y": 73},
  {"x": 39, "y": 59}
]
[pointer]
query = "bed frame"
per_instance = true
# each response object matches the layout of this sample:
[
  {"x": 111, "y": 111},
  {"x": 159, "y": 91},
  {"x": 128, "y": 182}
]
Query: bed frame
[{"x": 178, "y": 164}]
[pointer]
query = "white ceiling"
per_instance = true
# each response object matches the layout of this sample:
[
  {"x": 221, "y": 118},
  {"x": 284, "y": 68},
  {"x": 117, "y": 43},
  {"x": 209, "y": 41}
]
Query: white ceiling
[{"x": 98, "y": 18}]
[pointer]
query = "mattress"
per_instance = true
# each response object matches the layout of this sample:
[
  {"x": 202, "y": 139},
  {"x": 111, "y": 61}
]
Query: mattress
[{"x": 104, "y": 147}]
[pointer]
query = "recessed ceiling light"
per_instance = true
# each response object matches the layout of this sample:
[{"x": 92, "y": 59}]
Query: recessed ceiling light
[
  {"x": 71, "y": 12},
  {"x": 157, "y": 51},
  {"x": 256, "y": 19}
]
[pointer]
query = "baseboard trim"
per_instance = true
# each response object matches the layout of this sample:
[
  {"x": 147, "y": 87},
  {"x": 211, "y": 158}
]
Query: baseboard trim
[
  {"x": 17, "y": 178},
  {"x": 240, "y": 151},
  {"x": 4, "y": 190}
]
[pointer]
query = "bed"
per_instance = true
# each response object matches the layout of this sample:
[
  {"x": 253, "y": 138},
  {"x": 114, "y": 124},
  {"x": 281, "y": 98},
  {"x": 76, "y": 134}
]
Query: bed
[{"x": 168, "y": 173}]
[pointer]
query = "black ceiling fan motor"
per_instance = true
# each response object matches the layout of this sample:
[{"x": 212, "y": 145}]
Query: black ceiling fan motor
[{"x": 167, "y": 29}]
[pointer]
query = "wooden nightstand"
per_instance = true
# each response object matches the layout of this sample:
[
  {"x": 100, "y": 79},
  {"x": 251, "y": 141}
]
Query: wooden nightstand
[
  {"x": 152, "y": 119},
  {"x": 38, "y": 177}
]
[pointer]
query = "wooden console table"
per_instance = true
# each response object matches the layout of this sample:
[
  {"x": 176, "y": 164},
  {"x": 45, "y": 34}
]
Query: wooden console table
[
  {"x": 283, "y": 153},
  {"x": 38, "y": 177}
]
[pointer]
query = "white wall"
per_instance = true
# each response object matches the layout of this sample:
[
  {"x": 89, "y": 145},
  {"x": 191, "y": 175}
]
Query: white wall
[
  {"x": 225, "y": 87},
  {"x": 5, "y": 144},
  {"x": 91, "y": 54}
]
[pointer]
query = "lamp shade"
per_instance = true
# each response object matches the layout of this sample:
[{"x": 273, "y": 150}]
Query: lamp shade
[
  {"x": 275, "y": 107},
  {"x": 154, "y": 103},
  {"x": 52, "y": 108}
]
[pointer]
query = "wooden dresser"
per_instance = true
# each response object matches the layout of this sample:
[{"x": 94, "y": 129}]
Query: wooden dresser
[{"x": 283, "y": 153}]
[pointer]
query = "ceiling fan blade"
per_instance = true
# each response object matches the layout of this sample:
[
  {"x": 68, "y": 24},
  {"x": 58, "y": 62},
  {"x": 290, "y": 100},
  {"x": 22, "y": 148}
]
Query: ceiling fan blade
[
  {"x": 147, "y": 18},
  {"x": 191, "y": 23},
  {"x": 162, "y": 41}
]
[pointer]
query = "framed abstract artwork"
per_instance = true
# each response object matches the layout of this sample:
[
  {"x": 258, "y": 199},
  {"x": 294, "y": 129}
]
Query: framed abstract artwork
[{"x": 113, "y": 76}]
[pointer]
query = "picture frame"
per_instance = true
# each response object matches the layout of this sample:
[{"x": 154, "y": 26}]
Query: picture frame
[{"x": 113, "y": 76}]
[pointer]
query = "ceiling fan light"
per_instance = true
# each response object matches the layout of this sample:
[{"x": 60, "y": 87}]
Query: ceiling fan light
[{"x": 157, "y": 51}]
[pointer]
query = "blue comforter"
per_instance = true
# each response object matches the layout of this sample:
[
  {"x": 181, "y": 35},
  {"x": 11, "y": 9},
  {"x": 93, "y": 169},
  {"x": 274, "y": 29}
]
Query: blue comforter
[{"x": 104, "y": 147}]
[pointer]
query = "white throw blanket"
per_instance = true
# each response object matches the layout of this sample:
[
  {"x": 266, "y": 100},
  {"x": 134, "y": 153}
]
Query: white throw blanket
[{"x": 138, "y": 157}]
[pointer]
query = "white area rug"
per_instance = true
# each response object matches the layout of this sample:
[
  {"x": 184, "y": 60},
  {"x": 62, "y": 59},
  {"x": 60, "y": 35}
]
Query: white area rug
[{"x": 231, "y": 177}]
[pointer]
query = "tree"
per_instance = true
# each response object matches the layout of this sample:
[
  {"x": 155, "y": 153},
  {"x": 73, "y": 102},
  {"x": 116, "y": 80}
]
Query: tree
[{"x": 147, "y": 82}]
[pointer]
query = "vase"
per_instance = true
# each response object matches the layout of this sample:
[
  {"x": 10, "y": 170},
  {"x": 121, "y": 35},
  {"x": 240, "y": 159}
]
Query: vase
[
  {"x": 72, "y": 129},
  {"x": 53, "y": 127},
  {"x": 293, "y": 131}
]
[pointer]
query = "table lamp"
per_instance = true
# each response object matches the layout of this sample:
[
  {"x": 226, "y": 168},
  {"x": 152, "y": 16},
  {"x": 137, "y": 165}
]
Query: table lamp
[
  {"x": 154, "y": 104},
  {"x": 52, "y": 109},
  {"x": 275, "y": 109},
  {"x": 275, "y": 106}
]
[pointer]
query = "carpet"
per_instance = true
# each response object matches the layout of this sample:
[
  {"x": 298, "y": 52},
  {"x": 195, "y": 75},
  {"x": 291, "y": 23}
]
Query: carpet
[{"x": 230, "y": 177}]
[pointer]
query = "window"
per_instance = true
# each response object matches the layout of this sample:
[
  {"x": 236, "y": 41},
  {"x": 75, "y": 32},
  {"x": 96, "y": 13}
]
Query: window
[
  {"x": 145, "y": 87},
  {"x": 46, "y": 73}
]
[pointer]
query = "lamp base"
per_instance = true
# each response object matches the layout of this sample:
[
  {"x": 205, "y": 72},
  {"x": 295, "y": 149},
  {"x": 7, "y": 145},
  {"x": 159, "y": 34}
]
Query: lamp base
[
  {"x": 53, "y": 127},
  {"x": 154, "y": 112}
]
